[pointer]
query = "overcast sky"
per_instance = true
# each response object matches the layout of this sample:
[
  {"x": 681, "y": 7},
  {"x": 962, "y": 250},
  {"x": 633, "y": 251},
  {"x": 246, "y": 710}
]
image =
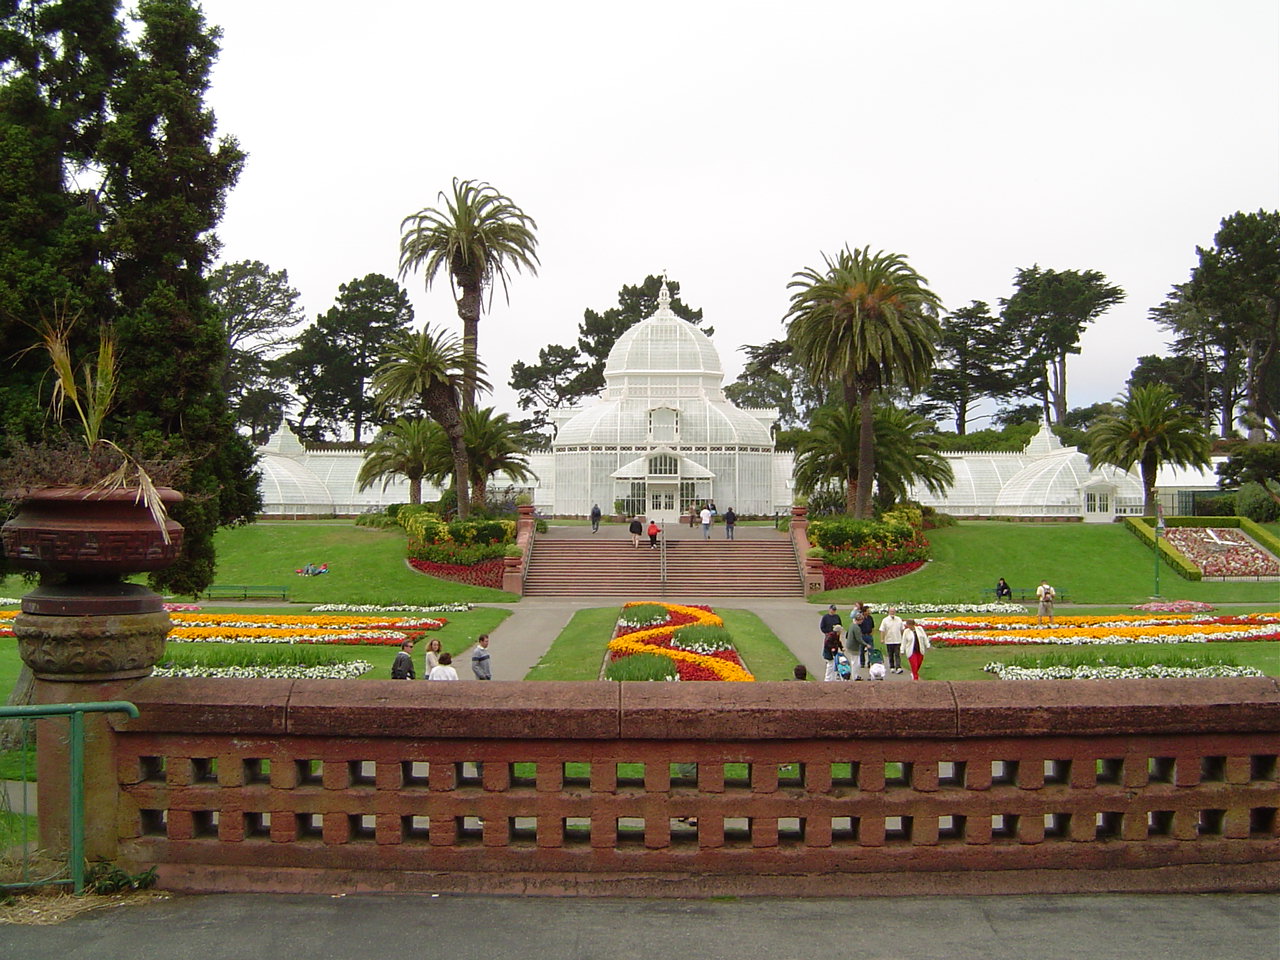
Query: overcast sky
[{"x": 732, "y": 144}]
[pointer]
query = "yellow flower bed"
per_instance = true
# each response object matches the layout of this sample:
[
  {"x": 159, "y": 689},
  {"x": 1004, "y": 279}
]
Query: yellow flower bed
[{"x": 637, "y": 642}]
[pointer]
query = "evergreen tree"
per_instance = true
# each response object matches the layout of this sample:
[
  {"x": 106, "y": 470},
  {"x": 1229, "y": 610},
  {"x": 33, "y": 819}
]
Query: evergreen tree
[
  {"x": 335, "y": 358},
  {"x": 125, "y": 182},
  {"x": 1049, "y": 310},
  {"x": 975, "y": 362}
]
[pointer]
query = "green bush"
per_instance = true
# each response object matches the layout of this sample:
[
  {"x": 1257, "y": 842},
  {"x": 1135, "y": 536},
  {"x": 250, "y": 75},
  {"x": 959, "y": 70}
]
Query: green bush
[
  {"x": 905, "y": 513},
  {"x": 392, "y": 509},
  {"x": 933, "y": 519},
  {"x": 845, "y": 533},
  {"x": 641, "y": 666},
  {"x": 461, "y": 554},
  {"x": 1254, "y": 502},
  {"x": 1223, "y": 506},
  {"x": 378, "y": 521}
]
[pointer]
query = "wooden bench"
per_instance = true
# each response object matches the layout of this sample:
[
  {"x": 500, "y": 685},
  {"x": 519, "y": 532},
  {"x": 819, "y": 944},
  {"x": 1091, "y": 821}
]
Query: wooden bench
[
  {"x": 1026, "y": 596},
  {"x": 235, "y": 591}
]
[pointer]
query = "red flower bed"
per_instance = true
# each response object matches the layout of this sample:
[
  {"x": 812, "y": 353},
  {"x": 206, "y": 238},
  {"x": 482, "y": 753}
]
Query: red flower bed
[
  {"x": 836, "y": 577},
  {"x": 487, "y": 573}
]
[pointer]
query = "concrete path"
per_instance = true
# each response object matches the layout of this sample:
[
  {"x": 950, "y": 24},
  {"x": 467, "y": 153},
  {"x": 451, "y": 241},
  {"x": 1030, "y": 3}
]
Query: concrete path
[
  {"x": 521, "y": 640},
  {"x": 236, "y": 927}
]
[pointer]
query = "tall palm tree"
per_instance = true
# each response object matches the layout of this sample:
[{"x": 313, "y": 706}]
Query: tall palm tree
[
  {"x": 866, "y": 321},
  {"x": 830, "y": 451},
  {"x": 478, "y": 235},
  {"x": 405, "y": 448},
  {"x": 494, "y": 445},
  {"x": 1151, "y": 428},
  {"x": 430, "y": 369}
]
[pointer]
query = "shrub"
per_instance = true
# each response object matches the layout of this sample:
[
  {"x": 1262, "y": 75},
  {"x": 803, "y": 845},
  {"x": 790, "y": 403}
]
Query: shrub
[
  {"x": 842, "y": 534},
  {"x": 392, "y": 509},
  {"x": 905, "y": 513},
  {"x": 873, "y": 556},
  {"x": 459, "y": 554},
  {"x": 1224, "y": 506},
  {"x": 1255, "y": 503},
  {"x": 641, "y": 666},
  {"x": 932, "y": 519}
]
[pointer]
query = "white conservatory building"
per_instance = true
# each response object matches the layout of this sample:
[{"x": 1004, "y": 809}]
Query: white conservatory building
[
  {"x": 661, "y": 436},
  {"x": 1049, "y": 481}
]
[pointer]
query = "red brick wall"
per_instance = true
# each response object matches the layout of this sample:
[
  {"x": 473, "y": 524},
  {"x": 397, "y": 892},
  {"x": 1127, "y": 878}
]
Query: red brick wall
[{"x": 798, "y": 788}]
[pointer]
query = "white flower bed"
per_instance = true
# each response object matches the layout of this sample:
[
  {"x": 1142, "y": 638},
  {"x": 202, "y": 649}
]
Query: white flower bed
[
  {"x": 347, "y": 670},
  {"x": 1156, "y": 671},
  {"x": 9, "y": 602},
  {"x": 917, "y": 609},
  {"x": 392, "y": 608}
]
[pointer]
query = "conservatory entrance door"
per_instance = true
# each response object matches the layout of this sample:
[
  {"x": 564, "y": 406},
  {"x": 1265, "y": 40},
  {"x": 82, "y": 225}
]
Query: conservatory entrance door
[{"x": 664, "y": 501}]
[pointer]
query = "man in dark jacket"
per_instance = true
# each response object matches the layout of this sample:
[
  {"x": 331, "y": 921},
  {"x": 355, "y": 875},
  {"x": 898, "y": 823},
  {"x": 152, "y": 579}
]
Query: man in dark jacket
[
  {"x": 402, "y": 667},
  {"x": 595, "y": 518}
]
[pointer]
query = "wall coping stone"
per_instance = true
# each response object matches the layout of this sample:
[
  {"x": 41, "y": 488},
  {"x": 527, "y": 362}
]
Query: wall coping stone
[{"x": 720, "y": 711}]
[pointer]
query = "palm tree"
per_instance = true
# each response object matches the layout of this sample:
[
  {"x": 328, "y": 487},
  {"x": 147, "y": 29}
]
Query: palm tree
[
  {"x": 429, "y": 368},
  {"x": 478, "y": 235},
  {"x": 867, "y": 321},
  {"x": 494, "y": 445},
  {"x": 405, "y": 448},
  {"x": 1151, "y": 429},
  {"x": 830, "y": 451}
]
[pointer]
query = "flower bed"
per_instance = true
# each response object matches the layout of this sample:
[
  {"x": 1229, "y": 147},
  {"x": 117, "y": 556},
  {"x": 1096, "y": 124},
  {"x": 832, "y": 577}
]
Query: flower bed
[
  {"x": 916, "y": 609},
  {"x": 1223, "y": 552},
  {"x": 348, "y": 670},
  {"x": 487, "y": 573},
  {"x": 1100, "y": 630},
  {"x": 703, "y": 663},
  {"x": 1156, "y": 671},
  {"x": 834, "y": 578},
  {"x": 202, "y": 627},
  {"x": 1174, "y": 606}
]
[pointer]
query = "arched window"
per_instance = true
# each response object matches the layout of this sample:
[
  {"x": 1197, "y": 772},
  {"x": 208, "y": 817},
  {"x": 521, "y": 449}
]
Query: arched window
[{"x": 664, "y": 465}]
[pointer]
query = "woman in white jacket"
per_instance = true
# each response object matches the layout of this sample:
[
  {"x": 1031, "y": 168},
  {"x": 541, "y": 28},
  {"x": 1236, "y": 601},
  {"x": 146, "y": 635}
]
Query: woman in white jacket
[{"x": 914, "y": 643}]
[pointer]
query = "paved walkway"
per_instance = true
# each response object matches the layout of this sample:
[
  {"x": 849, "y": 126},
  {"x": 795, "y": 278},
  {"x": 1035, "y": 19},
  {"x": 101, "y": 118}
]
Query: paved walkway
[
  {"x": 520, "y": 641},
  {"x": 236, "y": 927}
]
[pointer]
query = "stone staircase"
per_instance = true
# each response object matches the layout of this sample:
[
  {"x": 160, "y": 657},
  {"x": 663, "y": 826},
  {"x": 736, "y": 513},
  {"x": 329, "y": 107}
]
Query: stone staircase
[{"x": 695, "y": 568}]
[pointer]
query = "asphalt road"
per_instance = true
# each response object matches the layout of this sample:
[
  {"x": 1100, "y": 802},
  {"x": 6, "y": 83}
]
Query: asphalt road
[{"x": 241, "y": 927}]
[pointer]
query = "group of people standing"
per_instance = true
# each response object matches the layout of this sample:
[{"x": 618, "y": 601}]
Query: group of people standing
[
  {"x": 707, "y": 516},
  {"x": 899, "y": 637},
  {"x": 438, "y": 662}
]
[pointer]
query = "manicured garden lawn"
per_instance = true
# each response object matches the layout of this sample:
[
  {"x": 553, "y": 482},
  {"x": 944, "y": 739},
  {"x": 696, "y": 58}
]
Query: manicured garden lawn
[
  {"x": 456, "y": 636},
  {"x": 966, "y": 663},
  {"x": 365, "y": 565},
  {"x": 579, "y": 650},
  {"x": 1092, "y": 563}
]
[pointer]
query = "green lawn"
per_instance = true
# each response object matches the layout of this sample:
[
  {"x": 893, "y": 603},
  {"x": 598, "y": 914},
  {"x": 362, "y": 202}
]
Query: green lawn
[
  {"x": 1092, "y": 563},
  {"x": 365, "y": 565},
  {"x": 579, "y": 650}
]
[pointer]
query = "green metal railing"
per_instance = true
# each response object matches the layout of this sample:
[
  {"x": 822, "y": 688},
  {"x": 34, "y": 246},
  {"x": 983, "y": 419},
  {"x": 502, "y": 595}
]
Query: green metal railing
[{"x": 75, "y": 712}]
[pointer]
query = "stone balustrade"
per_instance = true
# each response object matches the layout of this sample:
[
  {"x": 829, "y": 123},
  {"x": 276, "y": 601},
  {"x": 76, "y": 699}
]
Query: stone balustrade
[{"x": 700, "y": 789}]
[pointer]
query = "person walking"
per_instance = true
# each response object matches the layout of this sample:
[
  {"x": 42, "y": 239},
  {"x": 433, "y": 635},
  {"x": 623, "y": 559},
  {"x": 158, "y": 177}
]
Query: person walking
[
  {"x": 480, "y": 664},
  {"x": 1044, "y": 602},
  {"x": 914, "y": 643},
  {"x": 432, "y": 657},
  {"x": 693, "y": 516},
  {"x": 654, "y": 530},
  {"x": 832, "y": 644},
  {"x": 402, "y": 666},
  {"x": 867, "y": 624},
  {"x": 730, "y": 520},
  {"x": 595, "y": 518},
  {"x": 636, "y": 530},
  {"x": 444, "y": 670},
  {"x": 891, "y": 636},
  {"x": 705, "y": 516}
]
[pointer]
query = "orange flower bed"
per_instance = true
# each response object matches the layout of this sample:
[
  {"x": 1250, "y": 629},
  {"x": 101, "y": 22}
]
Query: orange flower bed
[{"x": 693, "y": 666}]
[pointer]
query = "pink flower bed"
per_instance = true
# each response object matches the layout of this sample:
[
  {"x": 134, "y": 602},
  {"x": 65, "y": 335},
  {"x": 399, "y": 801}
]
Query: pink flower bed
[{"x": 1231, "y": 554}]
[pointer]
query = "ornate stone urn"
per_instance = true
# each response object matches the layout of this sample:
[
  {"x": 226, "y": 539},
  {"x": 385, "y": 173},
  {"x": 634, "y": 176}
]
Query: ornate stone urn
[{"x": 84, "y": 622}]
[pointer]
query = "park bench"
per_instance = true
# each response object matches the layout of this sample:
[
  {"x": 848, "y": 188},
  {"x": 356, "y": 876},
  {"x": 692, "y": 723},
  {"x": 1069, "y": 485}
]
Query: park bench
[
  {"x": 1025, "y": 595},
  {"x": 236, "y": 591}
]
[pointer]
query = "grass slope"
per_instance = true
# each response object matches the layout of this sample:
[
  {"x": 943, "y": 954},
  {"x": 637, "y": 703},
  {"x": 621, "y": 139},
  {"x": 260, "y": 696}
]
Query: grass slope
[
  {"x": 1093, "y": 563},
  {"x": 365, "y": 565}
]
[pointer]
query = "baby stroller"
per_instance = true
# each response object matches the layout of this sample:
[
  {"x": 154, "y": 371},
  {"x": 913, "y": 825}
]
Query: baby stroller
[{"x": 843, "y": 668}]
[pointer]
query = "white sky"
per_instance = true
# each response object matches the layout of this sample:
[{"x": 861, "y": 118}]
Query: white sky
[{"x": 733, "y": 143}]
